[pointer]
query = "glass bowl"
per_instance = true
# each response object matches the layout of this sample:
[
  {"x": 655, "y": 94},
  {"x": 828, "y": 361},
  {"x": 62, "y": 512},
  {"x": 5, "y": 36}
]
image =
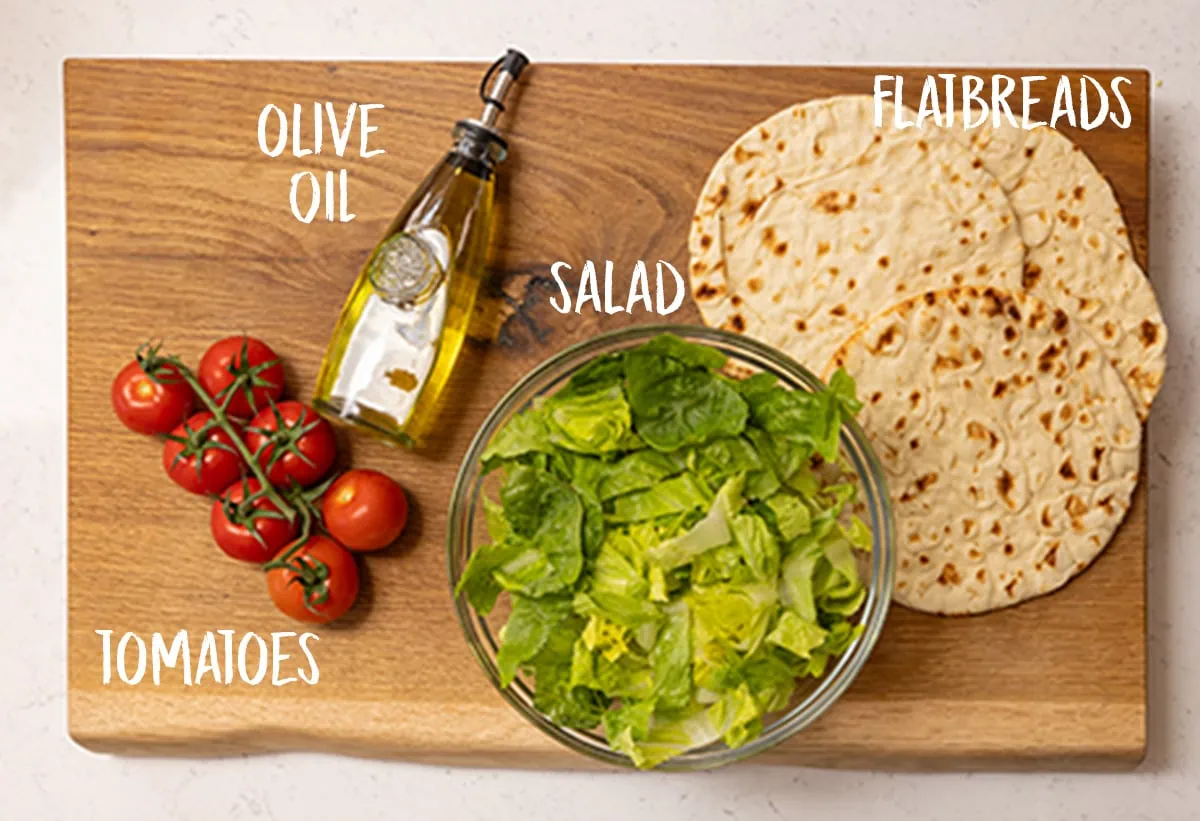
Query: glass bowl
[{"x": 467, "y": 528}]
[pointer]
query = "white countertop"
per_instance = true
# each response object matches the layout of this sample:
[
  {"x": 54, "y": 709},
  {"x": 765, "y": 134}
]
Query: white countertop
[{"x": 43, "y": 775}]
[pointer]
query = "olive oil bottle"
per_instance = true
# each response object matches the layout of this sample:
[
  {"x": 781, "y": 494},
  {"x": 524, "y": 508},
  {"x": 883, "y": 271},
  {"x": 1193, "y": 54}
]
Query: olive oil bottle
[{"x": 406, "y": 317}]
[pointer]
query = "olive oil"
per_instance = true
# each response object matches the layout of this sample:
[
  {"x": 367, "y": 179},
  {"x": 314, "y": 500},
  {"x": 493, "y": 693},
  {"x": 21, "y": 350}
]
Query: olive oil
[{"x": 405, "y": 320}]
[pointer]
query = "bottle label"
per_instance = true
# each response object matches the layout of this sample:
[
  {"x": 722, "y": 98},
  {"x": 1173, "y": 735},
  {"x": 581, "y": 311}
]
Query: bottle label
[{"x": 406, "y": 269}]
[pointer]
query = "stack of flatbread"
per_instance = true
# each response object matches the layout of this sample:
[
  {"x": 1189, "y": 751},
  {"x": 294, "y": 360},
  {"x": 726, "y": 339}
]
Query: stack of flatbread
[{"x": 981, "y": 287}]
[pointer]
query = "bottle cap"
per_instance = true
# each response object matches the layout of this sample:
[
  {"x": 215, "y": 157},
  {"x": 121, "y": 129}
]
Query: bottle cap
[{"x": 499, "y": 80}]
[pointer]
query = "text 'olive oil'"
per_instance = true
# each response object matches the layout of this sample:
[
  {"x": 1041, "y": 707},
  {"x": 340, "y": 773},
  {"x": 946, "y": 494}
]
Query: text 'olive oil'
[{"x": 404, "y": 323}]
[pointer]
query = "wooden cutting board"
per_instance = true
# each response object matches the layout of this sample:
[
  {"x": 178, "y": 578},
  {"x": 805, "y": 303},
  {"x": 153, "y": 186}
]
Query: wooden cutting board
[{"x": 179, "y": 227}]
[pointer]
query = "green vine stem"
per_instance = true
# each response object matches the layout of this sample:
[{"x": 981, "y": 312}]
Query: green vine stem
[
  {"x": 151, "y": 360},
  {"x": 304, "y": 501}
]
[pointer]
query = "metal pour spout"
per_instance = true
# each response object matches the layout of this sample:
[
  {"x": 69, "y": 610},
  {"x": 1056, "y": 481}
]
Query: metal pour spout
[{"x": 502, "y": 75}]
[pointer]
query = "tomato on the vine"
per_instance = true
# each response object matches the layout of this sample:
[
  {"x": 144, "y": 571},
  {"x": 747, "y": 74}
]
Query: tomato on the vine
[
  {"x": 247, "y": 525},
  {"x": 150, "y": 396},
  {"x": 200, "y": 457},
  {"x": 245, "y": 367},
  {"x": 364, "y": 510},
  {"x": 292, "y": 443},
  {"x": 318, "y": 583}
]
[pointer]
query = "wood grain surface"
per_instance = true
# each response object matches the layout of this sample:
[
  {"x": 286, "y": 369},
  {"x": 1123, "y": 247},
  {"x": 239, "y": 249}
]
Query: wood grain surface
[{"x": 179, "y": 227}]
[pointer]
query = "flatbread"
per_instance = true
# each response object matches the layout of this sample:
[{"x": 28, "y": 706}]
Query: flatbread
[
  {"x": 1043, "y": 172},
  {"x": 815, "y": 220},
  {"x": 1079, "y": 256},
  {"x": 1010, "y": 445}
]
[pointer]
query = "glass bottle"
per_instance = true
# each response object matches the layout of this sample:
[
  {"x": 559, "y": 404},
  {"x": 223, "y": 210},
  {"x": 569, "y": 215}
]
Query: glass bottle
[{"x": 405, "y": 320}]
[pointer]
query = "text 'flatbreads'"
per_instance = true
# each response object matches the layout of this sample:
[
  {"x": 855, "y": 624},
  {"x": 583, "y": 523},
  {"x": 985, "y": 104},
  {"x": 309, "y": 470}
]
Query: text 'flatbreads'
[
  {"x": 1010, "y": 445},
  {"x": 815, "y": 220}
]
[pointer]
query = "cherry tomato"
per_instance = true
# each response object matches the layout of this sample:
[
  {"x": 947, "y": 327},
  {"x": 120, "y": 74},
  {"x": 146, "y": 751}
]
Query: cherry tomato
[
  {"x": 364, "y": 510},
  {"x": 151, "y": 404},
  {"x": 247, "y": 525},
  {"x": 245, "y": 367},
  {"x": 292, "y": 443},
  {"x": 319, "y": 583},
  {"x": 200, "y": 457}
]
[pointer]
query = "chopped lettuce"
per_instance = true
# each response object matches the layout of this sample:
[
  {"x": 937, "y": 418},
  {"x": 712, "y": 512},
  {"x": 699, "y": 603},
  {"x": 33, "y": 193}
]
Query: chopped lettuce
[
  {"x": 561, "y": 701},
  {"x": 678, "y": 402},
  {"x": 680, "y": 494},
  {"x": 596, "y": 422},
  {"x": 790, "y": 516},
  {"x": 478, "y": 582},
  {"x": 810, "y": 420},
  {"x": 733, "y": 615},
  {"x": 797, "y": 635},
  {"x": 760, "y": 550},
  {"x": 724, "y": 457},
  {"x": 527, "y": 630},
  {"x": 546, "y": 517},
  {"x": 616, "y": 608},
  {"x": 796, "y": 584},
  {"x": 524, "y": 433},
  {"x": 714, "y": 530},
  {"x": 671, "y": 658},
  {"x": 674, "y": 557},
  {"x": 638, "y": 470}
]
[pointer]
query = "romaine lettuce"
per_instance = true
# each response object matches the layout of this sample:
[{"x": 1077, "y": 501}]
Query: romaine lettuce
[{"x": 675, "y": 555}]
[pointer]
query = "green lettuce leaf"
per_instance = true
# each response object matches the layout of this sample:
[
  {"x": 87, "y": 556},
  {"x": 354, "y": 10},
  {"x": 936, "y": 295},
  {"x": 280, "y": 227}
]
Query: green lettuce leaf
[
  {"x": 736, "y": 615},
  {"x": 649, "y": 740},
  {"x": 671, "y": 658},
  {"x": 599, "y": 374},
  {"x": 679, "y": 494},
  {"x": 790, "y": 516},
  {"x": 796, "y": 635},
  {"x": 564, "y": 704},
  {"x": 689, "y": 353},
  {"x": 545, "y": 512},
  {"x": 498, "y": 526},
  {"x": 812, "y": 420},
  {"x": 726, "y": 563},
  {"x": 781, "y": 459},
  {"x": 524, "y": 433},
  {"x": 760, "y": 550},
  {"x": 593, "y": 522},
  {"x": 843, "y": 388},
  {"x": 626, "y": 611},
  {"x": 736, "y": 716},
  {"x": 722, "y": 458},
  {"x": 526, "y": 632},
  {"x": 842, "y": 579},
  {"x": 675, "y": 405},
  {"x": 618, "y": 568},
  {"x": 639, "y": 470},
  {"x": 595, "y": 422},
  {"x": 796, "y": 583},
  {"x": 711, "y": 531},
  {"x": 841, "y": 635},
  {"x": 771, "y": 677},
  {"x": 477, "y": 581},
  {"x": 625, "y": 676},
  {"x": 857, "y": 534}
]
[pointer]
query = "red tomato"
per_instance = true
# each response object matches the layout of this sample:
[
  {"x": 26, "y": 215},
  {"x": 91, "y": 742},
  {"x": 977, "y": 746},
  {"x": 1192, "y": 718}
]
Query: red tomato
[
  {"x": 292, "y": 443},
  {"x": 364, "y": 510},
  {"x": 245, "y": 367},
  {"x": 319, "y": 584},
  {"x": 151, "y": 404},
  {"x": 247, "y": 525},
  {"x": 200, "y": 457}
]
